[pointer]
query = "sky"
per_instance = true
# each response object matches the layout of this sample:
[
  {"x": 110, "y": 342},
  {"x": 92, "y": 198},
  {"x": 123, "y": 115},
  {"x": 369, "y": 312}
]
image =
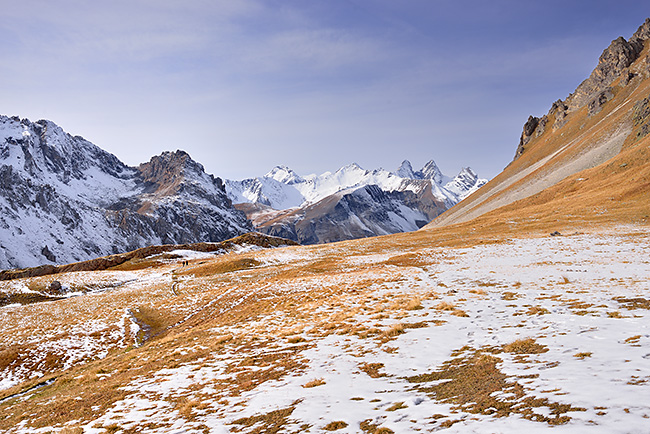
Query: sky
[{"x": 244, "y": 85}]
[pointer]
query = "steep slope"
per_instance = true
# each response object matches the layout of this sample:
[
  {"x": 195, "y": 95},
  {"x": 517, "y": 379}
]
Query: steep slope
[
  {"x": 587, "y": 156},
  {"x": 63, "y": 199},
  {"x": 349, "y": 203}
]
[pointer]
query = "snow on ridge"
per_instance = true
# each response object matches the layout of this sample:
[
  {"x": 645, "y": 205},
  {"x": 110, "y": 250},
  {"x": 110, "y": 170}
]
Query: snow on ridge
[
  {"x": 65, "y": 200},
  {"x": 282, "y": 188}
]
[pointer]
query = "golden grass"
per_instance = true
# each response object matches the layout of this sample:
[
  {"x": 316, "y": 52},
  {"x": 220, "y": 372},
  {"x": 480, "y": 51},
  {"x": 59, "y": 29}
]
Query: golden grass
[
  {"x": 633, "y": 303},
  {"x": 583, "y": 355},
  {"x": 397, "y": 406},
  {"x": 335, "y": 426},
  {"x": 267, "y": 423},
  {"x": 372, "y": 369},
  {"x": 370, "y": 428},
  {"x": 314, "y": 383},
  {"x": 537, "y": 310},
  {"x": 474, "y": 384},
  {"x": 525, "y": 346},
  {"x": 414, "y": 304},
  {"x": 445, "y": 306}
]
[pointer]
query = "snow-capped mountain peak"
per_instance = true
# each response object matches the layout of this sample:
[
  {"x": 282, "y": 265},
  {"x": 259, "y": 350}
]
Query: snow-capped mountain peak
[
  {"x": 284, "y": 175},
  {"x": 431, "y": 171},
  {"x": 282, "y": 188},
  {"x": 465, "y": 183},
  {"x": 405, "y": 170}
]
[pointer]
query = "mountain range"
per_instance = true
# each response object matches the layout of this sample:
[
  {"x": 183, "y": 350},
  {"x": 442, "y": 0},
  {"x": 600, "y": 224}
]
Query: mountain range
[
  {"x": 524, "y": 308},
  {"x": 63, "y": 199},
  {"x": 349, "y": 203}
]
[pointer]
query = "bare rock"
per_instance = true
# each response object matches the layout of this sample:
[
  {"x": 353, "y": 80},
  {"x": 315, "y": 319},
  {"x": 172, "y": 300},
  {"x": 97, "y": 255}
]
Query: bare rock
[
  {"x": 45, "y": 251},
  {"x": 596, "y": 104},
  {"x": 55, "y": 286},
  {"x": 526, "y": 135}
]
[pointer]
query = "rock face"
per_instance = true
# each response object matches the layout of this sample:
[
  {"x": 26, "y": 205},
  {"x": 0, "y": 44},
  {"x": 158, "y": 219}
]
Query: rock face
[
  {"x": 349, "y": 203},
  {"x": 357, "y": 213},
  {"x": 63, "y": 199},
  {"x": 596, "y": 90}
]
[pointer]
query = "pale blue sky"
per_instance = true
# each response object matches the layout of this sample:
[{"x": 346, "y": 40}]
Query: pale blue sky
[{"x": 244, "y": 85}]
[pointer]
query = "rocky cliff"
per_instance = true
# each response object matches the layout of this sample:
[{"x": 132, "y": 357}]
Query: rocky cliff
[{"x": 63, "y": 199}]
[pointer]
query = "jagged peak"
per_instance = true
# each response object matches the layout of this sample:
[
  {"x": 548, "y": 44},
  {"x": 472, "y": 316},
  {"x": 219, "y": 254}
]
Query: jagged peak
[
  {"x": 405, "y": 170},
  {"x": 170, "y": 166},
  {"x": 467, "y": 172},
  {"x": 350, "y": 167},
  {"x": 284, "y": 174},
  {"x": 431, "y": 171},
  {"x": 643, "y": 32}
]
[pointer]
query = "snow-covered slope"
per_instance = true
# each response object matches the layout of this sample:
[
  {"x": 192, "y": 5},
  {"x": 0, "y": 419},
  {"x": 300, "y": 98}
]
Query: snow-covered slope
[
  {"x": 282, "y": 188},
  {"x": 349, "y": 203},
  {"x": 63, "y": 199}
]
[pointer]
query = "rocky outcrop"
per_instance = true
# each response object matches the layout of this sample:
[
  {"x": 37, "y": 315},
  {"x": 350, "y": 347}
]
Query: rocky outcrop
[{"x": 527, "y": 134}]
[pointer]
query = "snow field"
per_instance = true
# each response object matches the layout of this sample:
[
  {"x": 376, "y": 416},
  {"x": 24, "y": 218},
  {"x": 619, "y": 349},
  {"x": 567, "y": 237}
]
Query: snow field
[{"x": 343, "y": 347}]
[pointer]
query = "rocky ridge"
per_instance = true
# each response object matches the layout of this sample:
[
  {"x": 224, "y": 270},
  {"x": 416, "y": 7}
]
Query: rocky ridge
[
  {"x": 63, "y": 199},
  {"x": 588, "y": 154},
  {"x": 614, "y": 64}
]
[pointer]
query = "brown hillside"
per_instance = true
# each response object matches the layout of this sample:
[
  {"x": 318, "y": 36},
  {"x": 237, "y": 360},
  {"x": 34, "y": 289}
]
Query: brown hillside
[{"x": 586, "y": 160}]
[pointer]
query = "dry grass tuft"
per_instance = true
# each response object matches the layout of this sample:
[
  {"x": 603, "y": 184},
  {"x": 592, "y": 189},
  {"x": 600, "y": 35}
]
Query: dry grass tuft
[
  {"x": 372, "y": 369},
  {"x": 414, "y": 304},
  {"x": 393, "y": 331},
  {"x": 537, "y": 310},
  {"x": 336, "y": 425},
  {"x": 397, "y": 406},
  {"x": 445, "y": 306},
  {"x": 583, "y": 355},
  {"x": 525, "y": 346},
  {"x": 314, "y": 383},
  {"x": 370, "y": 428}
]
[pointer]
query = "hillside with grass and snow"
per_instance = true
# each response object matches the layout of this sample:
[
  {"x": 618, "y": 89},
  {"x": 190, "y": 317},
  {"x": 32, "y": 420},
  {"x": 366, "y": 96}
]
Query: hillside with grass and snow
[{"x": 525, "y": 308}]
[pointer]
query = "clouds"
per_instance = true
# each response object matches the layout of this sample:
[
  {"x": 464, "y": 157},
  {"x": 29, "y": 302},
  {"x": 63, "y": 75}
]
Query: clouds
[{"x": 246, "y": 84}]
